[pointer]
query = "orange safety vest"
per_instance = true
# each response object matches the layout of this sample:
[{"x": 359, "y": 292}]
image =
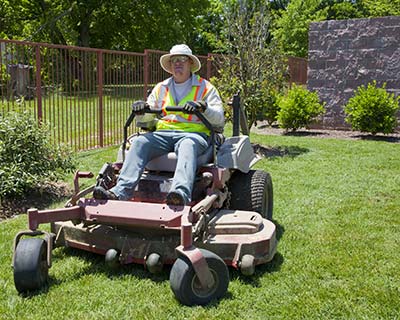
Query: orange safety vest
[{"x": 181, "y": 121}]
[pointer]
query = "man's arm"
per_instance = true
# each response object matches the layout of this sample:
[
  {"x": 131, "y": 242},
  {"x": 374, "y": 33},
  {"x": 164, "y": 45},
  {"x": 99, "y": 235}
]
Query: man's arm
[
  {"x": 152, "y": 99},
  {"x": 215, "y": 111}
]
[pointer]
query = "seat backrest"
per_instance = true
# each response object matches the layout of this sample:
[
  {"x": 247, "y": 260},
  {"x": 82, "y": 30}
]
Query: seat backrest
[
  {"x": 237, "y": 153},
  {"x": 167, "y": 162}
]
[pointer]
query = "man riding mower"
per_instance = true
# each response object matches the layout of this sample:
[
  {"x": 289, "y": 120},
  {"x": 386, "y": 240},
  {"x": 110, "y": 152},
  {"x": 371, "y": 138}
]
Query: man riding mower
[{"x": 191, "y": 202}]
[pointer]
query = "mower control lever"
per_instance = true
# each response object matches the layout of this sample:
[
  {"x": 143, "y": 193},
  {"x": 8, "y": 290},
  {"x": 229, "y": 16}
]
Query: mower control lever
[{"x": 170, "y": 108}]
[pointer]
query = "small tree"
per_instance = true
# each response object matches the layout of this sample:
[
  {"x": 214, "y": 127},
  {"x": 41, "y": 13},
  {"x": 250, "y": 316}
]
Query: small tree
[
  {"x": 251, "y": 62},
  {"x": 372, "y": 110},
  {"x": 298, "y": 108}
]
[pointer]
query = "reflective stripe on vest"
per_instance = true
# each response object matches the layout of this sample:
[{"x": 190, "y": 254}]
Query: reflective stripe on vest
[{"x": 180, "y": 121}]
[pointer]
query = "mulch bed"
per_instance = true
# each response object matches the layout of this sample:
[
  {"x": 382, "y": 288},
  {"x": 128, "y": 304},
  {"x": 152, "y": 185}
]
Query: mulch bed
[
  {"x": 262, "y": 128},
  {"x": 40, "y": 198}
]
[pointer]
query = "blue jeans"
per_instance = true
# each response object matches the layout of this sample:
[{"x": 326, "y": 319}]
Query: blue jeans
[{"x": 187, "y": 146}]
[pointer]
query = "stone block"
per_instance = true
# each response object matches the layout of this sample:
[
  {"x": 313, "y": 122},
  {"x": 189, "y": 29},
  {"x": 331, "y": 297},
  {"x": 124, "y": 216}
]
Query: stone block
[
  {"x": 389, "y": 21},
  {"x": 359, "y": 43},
  {"x": 336, "y": 24},
  {"x": 346, "y": 34},
  {"x": 320, "y": 54},
  {"x": 318, "y": 26},
  {"x": 393, "y": 84},
  {"x": 316, "y": 64},
  {"x": 393, "y": 31},
  {"x": 358, "y": 24}
]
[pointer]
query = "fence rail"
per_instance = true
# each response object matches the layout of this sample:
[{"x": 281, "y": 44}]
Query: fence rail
[{"x": 84, "y": 94}]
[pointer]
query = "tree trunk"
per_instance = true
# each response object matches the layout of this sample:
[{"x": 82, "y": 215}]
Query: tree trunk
[{"x": 84, "y": 36}]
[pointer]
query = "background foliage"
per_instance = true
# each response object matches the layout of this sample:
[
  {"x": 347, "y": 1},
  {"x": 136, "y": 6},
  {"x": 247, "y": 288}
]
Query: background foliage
[
  {"x": 156, "y": 24},
  {"x": 114, "y": 24},
  {"x": 291, "y": 28}
]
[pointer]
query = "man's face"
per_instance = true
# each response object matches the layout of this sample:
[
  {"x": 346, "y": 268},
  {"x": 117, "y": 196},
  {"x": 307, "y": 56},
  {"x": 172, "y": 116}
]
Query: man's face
[{"x": 181, "y": 67}]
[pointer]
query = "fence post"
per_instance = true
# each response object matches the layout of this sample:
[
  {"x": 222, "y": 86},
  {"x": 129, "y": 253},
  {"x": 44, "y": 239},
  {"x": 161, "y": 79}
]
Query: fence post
[
  {"x": 100, "y": 94},
  {"x": 209, "y": 57},
  {"x": 146, "y": 73},
  {"x": 38, "y": 84}
]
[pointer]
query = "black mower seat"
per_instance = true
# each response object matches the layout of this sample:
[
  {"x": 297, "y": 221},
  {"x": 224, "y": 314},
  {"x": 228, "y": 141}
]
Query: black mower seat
[{"x": 167, "y": 162}]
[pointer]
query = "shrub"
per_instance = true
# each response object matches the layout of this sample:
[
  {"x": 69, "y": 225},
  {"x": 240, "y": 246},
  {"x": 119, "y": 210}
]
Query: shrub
[
  {"x": 372, "y": 110},
  {"x": 28, "y": 158},
  {"x": 270, "y": 107},
  {"x": 298, "y": 108}
]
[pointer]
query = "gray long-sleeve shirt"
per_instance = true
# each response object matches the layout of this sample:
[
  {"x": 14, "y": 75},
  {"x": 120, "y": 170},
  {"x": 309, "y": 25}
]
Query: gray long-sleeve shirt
[{"x": 214, "y": 112}]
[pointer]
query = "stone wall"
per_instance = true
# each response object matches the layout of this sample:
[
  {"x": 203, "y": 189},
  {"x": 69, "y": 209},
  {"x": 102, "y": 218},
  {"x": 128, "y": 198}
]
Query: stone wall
[{"x": 344, "y": 54}]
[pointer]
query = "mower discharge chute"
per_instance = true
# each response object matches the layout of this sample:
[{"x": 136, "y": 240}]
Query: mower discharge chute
[{"x": 228, "y": 222}]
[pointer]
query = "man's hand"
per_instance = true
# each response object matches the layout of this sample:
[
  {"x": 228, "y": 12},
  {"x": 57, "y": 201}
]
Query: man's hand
[
  {"x": 192, "y": 106},
  {"x": 139, "y": 106}
]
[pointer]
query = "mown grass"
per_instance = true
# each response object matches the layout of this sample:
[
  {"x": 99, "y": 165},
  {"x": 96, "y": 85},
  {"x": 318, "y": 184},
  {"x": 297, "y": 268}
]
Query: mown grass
[{"x": 337, "y": 208}]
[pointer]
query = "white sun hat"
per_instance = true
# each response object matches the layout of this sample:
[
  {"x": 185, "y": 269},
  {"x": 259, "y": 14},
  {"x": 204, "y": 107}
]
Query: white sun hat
[{"x": 179, "y": 50}]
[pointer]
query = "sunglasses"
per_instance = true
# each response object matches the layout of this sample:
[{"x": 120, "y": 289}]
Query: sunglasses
[{"x": 176, "y": 59}]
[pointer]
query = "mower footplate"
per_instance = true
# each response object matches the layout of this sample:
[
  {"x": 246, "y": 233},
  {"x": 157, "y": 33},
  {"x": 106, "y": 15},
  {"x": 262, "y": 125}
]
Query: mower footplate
[{"x": 128, "y": 213}]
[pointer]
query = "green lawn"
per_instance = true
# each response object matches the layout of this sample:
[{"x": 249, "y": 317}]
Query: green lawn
[{"x": 337, "y": 207}]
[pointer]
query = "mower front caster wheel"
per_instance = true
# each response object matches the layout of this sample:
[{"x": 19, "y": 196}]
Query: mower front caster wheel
[
  {"x": 112, "y": 259},
  {"x": 30, "y": 265},
  {"x": 186, "y": 285},
  {"x": 154, "y": 263},
  {"x": 247, "y": 265}
]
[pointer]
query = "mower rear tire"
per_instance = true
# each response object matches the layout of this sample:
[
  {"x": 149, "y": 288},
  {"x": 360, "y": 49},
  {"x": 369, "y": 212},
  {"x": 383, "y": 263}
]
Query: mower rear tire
[
  {"x": 186, "y": 285},
  {"x": 252, "y": 191},
  {"x": 30, "y": 265}
]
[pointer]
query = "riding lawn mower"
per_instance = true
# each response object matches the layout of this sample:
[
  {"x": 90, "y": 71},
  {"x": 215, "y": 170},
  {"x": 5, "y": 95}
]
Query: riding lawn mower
[{"x": 227, "y": 223}]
